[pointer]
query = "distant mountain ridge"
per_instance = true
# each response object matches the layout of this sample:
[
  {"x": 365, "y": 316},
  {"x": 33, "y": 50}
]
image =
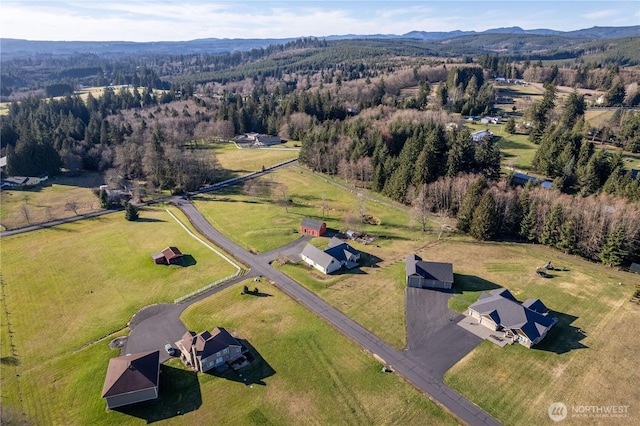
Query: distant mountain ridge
[{"x": 11, "y": 48}]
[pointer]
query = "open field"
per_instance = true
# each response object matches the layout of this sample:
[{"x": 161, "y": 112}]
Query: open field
[
  {"x": 260, "y": 225},
  {"x": 516, "y": 384},
  {"x": 242, "y": 161},
  {"x": 52, "y": 199},
  {"x": 66, "y": 287}
]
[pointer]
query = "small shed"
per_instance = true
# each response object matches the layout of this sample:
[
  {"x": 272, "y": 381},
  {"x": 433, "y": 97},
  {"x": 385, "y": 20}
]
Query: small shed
[
  {"x": 170, "y": 255},
  {"x": 312, "y": 227}
]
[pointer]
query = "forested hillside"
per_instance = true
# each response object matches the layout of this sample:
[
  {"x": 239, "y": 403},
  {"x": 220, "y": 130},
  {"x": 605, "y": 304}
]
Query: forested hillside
[{"x": 388, "y": 115}]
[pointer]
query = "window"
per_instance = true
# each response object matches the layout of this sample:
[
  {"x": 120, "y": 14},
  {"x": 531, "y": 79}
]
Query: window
[
  {"x": 225, "y": 351},
  {"x": 219, "y": 360}
]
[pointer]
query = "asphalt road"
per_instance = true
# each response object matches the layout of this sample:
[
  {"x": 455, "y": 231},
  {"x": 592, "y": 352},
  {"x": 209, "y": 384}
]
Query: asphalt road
[{"x": 414, "y": 369}]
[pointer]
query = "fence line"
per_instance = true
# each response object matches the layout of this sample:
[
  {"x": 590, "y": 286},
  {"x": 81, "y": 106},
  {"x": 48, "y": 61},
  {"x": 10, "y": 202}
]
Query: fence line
[{"x": 213, "y": 249}]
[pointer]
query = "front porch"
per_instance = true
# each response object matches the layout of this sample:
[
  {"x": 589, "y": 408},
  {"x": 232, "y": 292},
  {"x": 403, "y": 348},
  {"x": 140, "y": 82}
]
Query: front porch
[{"x": 500, "y": 338}]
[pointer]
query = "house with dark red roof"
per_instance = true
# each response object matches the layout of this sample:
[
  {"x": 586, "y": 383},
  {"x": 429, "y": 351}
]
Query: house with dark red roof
[
  {"x": 168, "y": 256},
  {"x": 132, "y": 378}
]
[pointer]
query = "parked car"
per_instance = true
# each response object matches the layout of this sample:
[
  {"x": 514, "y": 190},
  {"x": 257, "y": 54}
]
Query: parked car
[{"x": 170, "y": 349}]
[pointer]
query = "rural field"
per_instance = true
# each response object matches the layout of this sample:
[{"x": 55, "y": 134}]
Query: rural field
[
  {"x": 260, "y": 224},
  {"x": 65, "y": 288},
  {"x": 54, "y": 199},
  {"x": 240, "y": 161}
]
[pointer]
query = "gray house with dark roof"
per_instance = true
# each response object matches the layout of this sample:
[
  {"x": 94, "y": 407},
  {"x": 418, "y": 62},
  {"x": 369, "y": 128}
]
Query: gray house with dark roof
[
  {"x": 337, "y": 255},
  {"x": 132, "y": 378},
  {"x": 205, "y": 350},
  {"x": 422, "y": 274},
  {"x": 527, "y": 323}
]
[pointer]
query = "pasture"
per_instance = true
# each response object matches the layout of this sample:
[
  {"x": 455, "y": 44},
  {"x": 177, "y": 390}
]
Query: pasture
[
  {"x": 238, "y": 161},
  {"x": 55, "y": 198},
  {"x": 263, "y": 223},
  {"x": 65, "y": 288}
]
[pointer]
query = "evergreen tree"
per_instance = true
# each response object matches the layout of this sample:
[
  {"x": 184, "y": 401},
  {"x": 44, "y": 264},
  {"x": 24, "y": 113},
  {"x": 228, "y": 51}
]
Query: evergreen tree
[
  {"x": 131, "y": 212},
  {"x": 484, "y": 224},
  {"x": 527, "y": 226},
  {"x": 551, "y": 234},
  {"x": 469, "y": 204},
  {"x": 615, "y": 248},
  {"x": 510, "y": 126},
  {"x": 105, "y": 202},
  {"x": 567, "y": 242}
]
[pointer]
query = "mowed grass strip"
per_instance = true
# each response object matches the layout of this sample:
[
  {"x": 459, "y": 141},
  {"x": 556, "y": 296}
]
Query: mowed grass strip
[
  {"x": 69, "y": 285},
  {"x": 587, "y": 359},
  {"x": 309, "y": 374},
  {"x": 260, "y": 224}
]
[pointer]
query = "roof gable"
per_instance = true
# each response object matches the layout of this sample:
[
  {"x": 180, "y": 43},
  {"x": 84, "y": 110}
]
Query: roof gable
[
  {"x": 207, "y": 344},
  {"x": 132, "y": 373},
  {"x": 502, "y": 305},
  {"x": 439, "y": 271},
  {"x": 313, "y": 224},
  {"x": 317, "y": 256}
]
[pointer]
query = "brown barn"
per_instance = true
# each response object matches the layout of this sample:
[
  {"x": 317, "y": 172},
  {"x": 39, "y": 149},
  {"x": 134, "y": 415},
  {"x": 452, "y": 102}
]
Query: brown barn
[
  {"x": 312, "y": 227},
  {"x": 168, "y": 256},
  {"x": 132, "y": 378}
]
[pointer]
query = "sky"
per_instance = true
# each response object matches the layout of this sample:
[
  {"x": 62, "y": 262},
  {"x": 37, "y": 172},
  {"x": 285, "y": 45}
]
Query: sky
[{"x": 160, "y": 20}]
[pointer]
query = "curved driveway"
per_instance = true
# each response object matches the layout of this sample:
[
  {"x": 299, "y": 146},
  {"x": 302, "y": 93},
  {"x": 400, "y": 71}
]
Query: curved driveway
[{"x": 414, "y": 369}]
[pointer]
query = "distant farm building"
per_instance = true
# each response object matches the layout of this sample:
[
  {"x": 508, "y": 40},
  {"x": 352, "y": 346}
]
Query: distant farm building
[
  {"x": 132, "y": 378},
  {"x": 258, "y": 139},
  {"x": 422, "y": 274},
  {"x": 522, "y": 179},
  {"x": 168, "y": 256},
  {"x": 23, "y": 181},
  {"x": 204, "y": 351},
  {"x": 337, "y": 255},
  {"x": 480, "y": 135},
  {"x": 312, "y": 227}
]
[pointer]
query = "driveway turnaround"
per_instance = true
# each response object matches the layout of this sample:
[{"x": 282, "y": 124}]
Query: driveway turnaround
[
  {"x": 434, "y": 338},
  {"x": 425, "y": 374}
]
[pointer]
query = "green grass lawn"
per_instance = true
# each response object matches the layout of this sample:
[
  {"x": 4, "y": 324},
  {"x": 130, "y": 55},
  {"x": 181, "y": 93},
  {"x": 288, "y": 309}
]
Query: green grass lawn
[
  {"x": 515, "y": 384},
  {"x": 66, "y": 287},
  {"x": 242, "y": 161},
  {"x": 260, "y": 224}
]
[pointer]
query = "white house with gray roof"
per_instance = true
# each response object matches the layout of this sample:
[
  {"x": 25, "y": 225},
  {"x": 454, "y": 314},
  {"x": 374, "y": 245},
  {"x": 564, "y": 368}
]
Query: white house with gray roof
[
  {"x": 337, "y": 255},
  {"x": 528, "y": 322}
]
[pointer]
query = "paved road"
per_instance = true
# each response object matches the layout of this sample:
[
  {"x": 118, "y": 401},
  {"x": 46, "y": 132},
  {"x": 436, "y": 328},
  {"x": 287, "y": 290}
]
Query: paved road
[{"x": 414, "y": 370}]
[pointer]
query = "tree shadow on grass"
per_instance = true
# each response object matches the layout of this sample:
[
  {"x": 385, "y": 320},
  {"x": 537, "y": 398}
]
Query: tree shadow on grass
[
  {"x": 149, "y": 220},
  {"x": 253, "y": 374},
  {"x": 563, "y": 337},
  {"x": 179, "y": 393},
  {"x": 10, "y": 360},
  {"x": 466, "y": 283}
]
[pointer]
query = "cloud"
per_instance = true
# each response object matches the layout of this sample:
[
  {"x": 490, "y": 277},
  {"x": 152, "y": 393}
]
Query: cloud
[{"x": 600, "y": 14}]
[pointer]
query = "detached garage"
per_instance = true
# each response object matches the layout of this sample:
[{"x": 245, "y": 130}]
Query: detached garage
[
  {"x": 421, "y": 274},
  {"x": 132, "y": 378}
]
